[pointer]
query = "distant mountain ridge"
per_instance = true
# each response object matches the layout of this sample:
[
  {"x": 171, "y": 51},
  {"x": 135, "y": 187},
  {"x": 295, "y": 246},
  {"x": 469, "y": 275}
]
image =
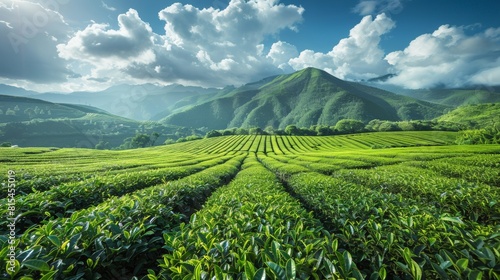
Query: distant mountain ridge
[
  {"x": 33, "y": 122},
  {"x": 19, "y": 109},
  {"x": 138, "y": 102},
  {"x": 304, "y": 98},
  {"x": 474, "y": 94}
]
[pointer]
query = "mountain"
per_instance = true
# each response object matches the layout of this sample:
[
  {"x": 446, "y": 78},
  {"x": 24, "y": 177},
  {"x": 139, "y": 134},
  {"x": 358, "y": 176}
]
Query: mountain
[
  {"x": 304, "y": 98},
  {"x": 34, "y": 122},
  {"x": 37, "y": 123},
  {"x": 458, "y": 97},
  {"x": 445, "y": 96},
  {"x": 20, "y": 109},
  {"x": 138, "y": 102},
  {"x": 476, "y": 116},
  {"x": 15, "y": 91}
]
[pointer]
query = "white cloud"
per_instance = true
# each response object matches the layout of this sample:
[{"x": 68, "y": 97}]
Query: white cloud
[
  {"x": 356, "y": 57},
  {"x": 371, "y": 7},
  {"x": 105, "y": 6},
  {"x": 27, "y": 47},
  {"x": 96, "y": 44},
  {"x": 209, "y": 47},
  {"x": 280, "y": 53},
  {"x": 448, "y": 57},
  {"x": 366, "y": 7},
  {"x": 221, "y": 46}
]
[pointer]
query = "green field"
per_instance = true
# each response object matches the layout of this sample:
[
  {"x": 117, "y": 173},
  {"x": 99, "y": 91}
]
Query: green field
[{"x": 394, "y": 205}]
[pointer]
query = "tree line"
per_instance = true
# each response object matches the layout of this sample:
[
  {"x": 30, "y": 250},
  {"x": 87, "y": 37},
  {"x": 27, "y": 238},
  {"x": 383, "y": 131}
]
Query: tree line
[{"x": 345, "y": 126}]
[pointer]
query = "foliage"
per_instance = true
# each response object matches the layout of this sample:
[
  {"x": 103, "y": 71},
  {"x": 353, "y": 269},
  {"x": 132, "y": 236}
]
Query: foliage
[
  {"x": 349, "y": 126},
  {"x": 6, "y": 144},
  {"x": 291, "y": 130},
  {"x": 213, "y": 133},
  {"x": 259, "y": 207},
  {"x": 474, "y": 116},
  {"x": 102, "y": 145},
  {"x": 488, "y": 135},
  {"x": 140, "y": 141}
]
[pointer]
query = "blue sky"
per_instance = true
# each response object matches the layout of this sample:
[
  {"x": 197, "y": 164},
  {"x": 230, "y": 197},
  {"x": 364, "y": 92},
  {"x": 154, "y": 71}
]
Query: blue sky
[{"x": 67, "y": 45}]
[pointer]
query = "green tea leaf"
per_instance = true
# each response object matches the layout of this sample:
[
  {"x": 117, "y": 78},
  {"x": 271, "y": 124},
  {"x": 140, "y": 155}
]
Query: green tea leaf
[
  {"x": 347, "y": 261},
  {"x": 37, "y": 265},
  {"x": 416, "y": 271},
  {"x": 218, "y": 272},
  {"x": 452, "y": 219},
  {"x": 291, "y": 271},
  {"x": 259, "y": 275},
  {"x": 382, "y": 273},
  {"x": 462, "y": 264},
  {"x": 55, "y": 240},
  {"x": 279, "y": 272},
  {"x": 249, "y": 270}
]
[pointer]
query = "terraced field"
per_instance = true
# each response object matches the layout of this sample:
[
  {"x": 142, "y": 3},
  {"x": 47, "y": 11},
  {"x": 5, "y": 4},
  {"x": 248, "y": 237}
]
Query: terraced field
[{"x": 399, "y": 205}]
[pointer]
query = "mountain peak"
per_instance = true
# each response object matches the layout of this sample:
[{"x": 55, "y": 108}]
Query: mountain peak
[
  {"x": 313, "y": 71},
  {"x": 307, "y": 97}
]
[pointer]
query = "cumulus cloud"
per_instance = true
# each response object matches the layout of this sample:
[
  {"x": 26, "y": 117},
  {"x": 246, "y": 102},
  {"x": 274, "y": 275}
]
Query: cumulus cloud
[
  {"x": 210, "y": 47},
  {"x": 371, "y": 7},
  {"x": 280, "y": 53},
  {"x": 356, "y": 57},
  {"x": 448, "y": 57},
  {"x": 222, "y": 46},
  {"x": 29, "y": 33},
  {"x": 132, "y": 42}
]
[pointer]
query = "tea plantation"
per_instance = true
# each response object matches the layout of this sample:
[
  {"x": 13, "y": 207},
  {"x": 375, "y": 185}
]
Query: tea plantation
[{"x": 395, "y": 205}]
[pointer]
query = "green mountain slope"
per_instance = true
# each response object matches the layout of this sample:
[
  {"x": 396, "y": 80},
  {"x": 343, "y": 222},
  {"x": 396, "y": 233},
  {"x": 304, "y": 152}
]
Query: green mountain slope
[
  {"x": 446, "y": 96},
  {"x": 458, "y": 97},
  {"x": 19, "y": 109},
  {"x": 33, "y": 122},
  {"x": 476, "y": 116},
  {"x": 304, "y": 98},
  {"x": 37, "y": 123}
]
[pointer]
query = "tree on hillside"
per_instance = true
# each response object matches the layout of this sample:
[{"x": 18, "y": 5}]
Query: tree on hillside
[
  {"x": 291, "y": 130},
  {"x": 6, "y": 144},
  {"x": 140, "y": 141},
  {"x": 406, "y": 126},
  {"x": 241, "y": 131},
  {"x": 169, "y": 141},
  {"x": 213, "y": 133},
  {"x": 269, "y": 129},
  {"x": 374, "y": 125},
  {"x": 323, "y": 130},
  {"x": 102, "y": 145},
  {"x": 255, "y": 130},
  {"x": 388, "y": 126},
  {"x": 349, "y": 126},
  {"x": 154, "y": 136},
  {"x": 228, "y": 132}
]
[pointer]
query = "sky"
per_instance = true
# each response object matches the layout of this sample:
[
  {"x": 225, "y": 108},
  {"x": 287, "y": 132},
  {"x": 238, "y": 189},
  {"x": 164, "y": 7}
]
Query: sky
[{"x": 70, "y": 45}]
